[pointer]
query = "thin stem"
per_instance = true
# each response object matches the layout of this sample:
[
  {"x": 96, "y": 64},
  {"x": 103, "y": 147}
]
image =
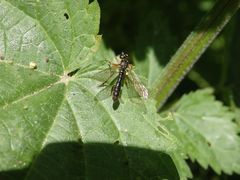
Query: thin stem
[{"x": 193, "y": 47}]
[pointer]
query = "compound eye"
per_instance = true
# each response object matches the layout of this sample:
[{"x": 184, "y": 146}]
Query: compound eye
[{"x": 122, "y": 55}]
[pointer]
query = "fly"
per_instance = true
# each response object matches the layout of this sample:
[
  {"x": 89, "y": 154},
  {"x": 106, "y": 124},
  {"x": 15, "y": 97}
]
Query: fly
[
  {"x": 116, "y": 89},
  {"x": 116, "y": 76}
]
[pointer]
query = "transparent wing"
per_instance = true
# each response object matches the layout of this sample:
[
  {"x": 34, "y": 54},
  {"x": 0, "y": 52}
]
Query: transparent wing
[
  {"x": 139, "y": 87},
  {"x": 106, "y": 91},
  {"x": 134, "y": 94},
  {"x": 131, "y": 91},
  {"x": 106, "y": 76}
]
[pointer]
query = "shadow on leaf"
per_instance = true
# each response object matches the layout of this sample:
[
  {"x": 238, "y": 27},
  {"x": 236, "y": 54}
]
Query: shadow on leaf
[{"x": 72, "y": 160}]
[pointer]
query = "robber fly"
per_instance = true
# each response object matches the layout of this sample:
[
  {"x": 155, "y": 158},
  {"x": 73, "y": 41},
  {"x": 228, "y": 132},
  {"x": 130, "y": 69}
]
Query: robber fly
[{"x": 117, "y": 75}]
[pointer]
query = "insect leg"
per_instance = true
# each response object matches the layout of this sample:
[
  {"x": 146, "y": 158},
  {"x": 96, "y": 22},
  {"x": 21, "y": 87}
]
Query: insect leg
[
  {"x": 112, "y": 89},
  {"x": 126, "y": 82},
  {"x": 103, "y": 84}
]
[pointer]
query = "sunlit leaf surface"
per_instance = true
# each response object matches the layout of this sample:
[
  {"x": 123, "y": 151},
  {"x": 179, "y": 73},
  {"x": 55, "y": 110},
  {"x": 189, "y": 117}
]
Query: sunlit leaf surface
[
  {"x": 207, "y": 132},
  {"x": 51, "y": 124}
]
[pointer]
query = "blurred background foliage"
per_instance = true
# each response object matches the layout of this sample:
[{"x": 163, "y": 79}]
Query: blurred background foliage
[
  {"x": 162, "y": 26},
  {"x": 134, "y": 26}
]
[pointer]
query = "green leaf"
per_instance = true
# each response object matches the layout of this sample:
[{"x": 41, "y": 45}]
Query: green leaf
[
  {"x": 181, "y": 164},
  {"x": 205, "y": 128},
  {"x": 51, "y": 125}
]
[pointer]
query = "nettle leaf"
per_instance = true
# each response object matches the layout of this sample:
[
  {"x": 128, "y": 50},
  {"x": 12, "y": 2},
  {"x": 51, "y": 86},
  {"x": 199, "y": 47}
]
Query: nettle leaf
[
  {"x": 51, "y": 124},
  {"x": 207, "y": 132},
  {"x": 182, "y": 166}
]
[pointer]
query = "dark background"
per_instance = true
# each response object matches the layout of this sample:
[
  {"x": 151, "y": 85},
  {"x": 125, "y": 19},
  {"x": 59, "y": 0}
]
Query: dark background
[{"x": 134, "y": 26}]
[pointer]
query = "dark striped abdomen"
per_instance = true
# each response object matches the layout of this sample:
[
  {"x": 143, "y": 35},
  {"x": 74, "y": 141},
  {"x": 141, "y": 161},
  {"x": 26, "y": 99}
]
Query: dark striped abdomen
[
  {"x": 118, "y": 85},
  {"x": 122, "y": 71}
]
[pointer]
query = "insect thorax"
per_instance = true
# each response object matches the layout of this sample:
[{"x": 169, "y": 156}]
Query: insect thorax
[{"x": 124, "y": 64}]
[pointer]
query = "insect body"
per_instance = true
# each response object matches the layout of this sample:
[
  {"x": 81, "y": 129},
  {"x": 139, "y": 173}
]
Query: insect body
[
  {"x": 118, "y": 75},
  {"x": 121, "y": 75}
]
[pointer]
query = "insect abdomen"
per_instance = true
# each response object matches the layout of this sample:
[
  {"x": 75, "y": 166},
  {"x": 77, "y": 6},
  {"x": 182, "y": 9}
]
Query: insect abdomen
[{"x": 117, "y": 87}]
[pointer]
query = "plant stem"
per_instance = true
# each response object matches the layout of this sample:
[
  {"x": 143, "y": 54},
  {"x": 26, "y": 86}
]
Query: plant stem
[{"x": 193, "y": 47}]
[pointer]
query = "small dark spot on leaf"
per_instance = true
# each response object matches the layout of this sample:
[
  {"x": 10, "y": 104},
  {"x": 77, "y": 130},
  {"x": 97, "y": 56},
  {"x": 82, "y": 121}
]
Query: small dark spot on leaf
[
  {"x": 2, "y": 57},
  {"x": 116, "y": 142},
  {"x": 33, "y": 65},
  {"x": 73, "y": 72},
  {"x": 238, "y": 134},
  {"x": 95, "y": 99},
  {"x": 66, "y": 15},
  {"x": 209, "y": 144},
  {"x": 46, "y": 59}
]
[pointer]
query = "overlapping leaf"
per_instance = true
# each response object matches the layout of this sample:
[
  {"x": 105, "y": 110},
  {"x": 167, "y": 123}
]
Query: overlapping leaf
[
  {"x": 51, "y": 125},
  {"x": 208, "y": 135}
]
